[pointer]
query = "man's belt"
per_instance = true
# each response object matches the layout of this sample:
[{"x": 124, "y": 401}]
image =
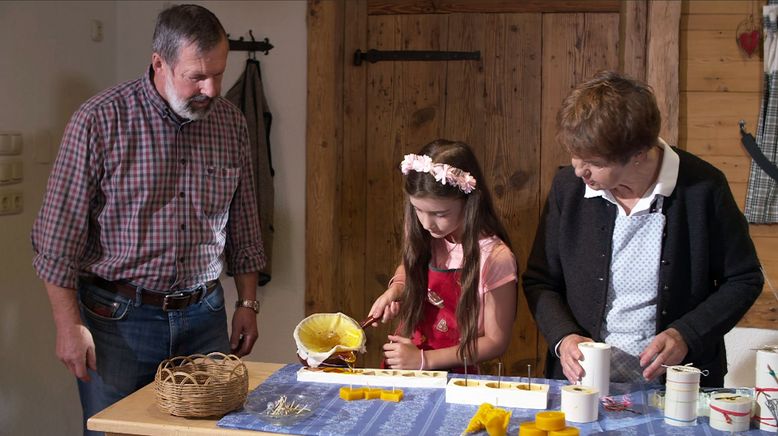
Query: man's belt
[{"x": 175, "y": 300}]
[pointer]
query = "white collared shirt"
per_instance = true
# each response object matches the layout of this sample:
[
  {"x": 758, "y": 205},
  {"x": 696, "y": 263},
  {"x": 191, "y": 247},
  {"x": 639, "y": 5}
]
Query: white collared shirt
[{"x": 664, "y": 185}]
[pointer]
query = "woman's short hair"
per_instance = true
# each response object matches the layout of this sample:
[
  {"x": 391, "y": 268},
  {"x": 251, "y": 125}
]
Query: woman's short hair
[
  {"x": 181, "y": 25},
  {"x": 610, "y": 116}
]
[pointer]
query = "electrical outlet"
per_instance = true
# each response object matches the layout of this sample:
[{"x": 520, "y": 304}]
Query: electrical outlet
[
  {"x": 10, "y": 143},
  {"x": 11, "y": 202}
]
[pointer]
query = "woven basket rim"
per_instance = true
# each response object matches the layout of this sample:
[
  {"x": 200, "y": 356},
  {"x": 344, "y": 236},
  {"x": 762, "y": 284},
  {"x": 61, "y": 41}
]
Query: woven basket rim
[{"x": 201, "y": 385}]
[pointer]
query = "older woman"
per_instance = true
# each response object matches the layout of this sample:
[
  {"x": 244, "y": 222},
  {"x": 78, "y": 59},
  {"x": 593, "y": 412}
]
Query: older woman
[{"x": 641, "y": 245}]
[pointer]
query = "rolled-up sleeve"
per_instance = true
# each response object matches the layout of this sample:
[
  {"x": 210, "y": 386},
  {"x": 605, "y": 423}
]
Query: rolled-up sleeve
[
  {"x": 60, "y": 231},
  {"x": 244, "y": 251}
]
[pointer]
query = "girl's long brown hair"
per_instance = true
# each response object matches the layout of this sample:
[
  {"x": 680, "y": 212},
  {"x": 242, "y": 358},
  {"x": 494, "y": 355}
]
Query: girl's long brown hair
[{"x": 479, "y": 219}]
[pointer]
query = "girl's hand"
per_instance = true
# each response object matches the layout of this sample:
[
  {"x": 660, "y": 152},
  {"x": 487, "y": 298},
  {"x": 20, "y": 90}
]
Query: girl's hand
[
  {"x": 400, "y": 353},
  {"x": 386, "y": 307}
]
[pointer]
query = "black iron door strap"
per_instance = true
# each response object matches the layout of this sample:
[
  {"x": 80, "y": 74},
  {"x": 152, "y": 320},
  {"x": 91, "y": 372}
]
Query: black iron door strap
[{"x": 374, "y": 55}]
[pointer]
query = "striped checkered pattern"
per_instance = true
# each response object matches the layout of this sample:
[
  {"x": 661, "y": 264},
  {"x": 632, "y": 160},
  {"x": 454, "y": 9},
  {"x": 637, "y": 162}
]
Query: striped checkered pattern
[
  {"x": 139, "y": 194},
  {"x": 762, "y": 195}
]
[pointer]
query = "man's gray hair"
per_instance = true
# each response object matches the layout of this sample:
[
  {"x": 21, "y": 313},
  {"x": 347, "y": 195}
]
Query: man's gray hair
[{"x": 181, "y": 25}]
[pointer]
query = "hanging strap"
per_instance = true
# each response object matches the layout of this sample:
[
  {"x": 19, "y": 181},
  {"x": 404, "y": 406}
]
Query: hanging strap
[{"x": 756, "y": 153}]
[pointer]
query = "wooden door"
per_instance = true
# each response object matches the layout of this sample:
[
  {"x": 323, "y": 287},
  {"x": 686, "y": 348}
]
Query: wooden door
[{"x": 503, "y": 105}]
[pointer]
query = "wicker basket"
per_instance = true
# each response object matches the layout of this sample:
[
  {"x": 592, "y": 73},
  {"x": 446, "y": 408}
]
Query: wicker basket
[{"x": 201, "y": 385}]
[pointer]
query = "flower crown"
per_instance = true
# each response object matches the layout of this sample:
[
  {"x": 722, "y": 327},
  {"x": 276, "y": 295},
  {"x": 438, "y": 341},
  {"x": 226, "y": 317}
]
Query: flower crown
[{"x": 443, "y": 173}]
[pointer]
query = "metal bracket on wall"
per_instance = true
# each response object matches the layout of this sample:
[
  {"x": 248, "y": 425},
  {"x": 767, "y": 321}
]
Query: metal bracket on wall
[{"x": 374, "y": 56}]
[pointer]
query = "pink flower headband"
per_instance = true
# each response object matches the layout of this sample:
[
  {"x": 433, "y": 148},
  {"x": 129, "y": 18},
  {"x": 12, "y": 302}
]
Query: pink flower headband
[{"x": 443, "y": 173}]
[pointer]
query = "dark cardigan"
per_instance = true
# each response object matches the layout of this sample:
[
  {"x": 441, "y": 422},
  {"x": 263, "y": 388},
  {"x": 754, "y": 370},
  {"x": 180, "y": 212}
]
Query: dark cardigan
[{"x": 709, "y": 274}]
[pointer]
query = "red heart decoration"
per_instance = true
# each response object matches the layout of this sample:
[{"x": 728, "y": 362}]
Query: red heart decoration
[{"x": 749, "y": 41}]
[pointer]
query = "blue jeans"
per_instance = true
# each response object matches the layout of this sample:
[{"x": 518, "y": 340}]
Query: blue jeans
[{"x": 131, "y": 339}]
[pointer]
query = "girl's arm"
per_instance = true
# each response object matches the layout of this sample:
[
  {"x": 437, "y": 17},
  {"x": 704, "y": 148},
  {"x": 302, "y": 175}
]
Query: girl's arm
[
  {"x": 387, "y": 306},
  {"x": 499, "y": 314}
]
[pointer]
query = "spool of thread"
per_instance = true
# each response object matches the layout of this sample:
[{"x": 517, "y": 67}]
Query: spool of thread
[
  {"x": 567, "y": 431},
  {"x": 682, "y": 390},
  {"x": 580, "y": 403},
  {"x": 766, "y": 387},
  {"x": 730, "y": 412},
  {"x": 551, "y": 420},
  {"x": 528, "y": 428},
  {"x": 597, "y": 366}
]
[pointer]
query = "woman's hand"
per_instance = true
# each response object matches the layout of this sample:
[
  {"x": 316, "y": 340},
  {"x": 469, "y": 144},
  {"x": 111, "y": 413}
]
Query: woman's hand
[
  {"x": 386, "y": 307},
  {"x": 668, "y": 348},
  {"x": 570, "y": 356},
  {"x": 400, "y": 353}
]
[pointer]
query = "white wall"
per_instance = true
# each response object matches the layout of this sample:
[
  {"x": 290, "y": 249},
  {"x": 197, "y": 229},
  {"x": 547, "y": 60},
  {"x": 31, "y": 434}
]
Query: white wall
[{"x": 49, "y": 66}]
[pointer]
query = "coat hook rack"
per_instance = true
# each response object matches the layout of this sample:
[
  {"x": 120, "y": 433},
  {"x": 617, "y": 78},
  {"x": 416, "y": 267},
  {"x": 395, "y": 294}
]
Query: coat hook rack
[{"x": 252, "y": 46}]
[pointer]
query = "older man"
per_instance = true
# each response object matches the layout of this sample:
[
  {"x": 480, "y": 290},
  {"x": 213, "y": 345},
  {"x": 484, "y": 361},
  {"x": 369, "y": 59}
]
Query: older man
[{"x": 151, "y": 195}]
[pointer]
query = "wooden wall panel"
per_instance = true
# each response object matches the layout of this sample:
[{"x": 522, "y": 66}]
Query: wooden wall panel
[
  {"x": 353, "y": 166},
  {"x": 395, "y": 7},
  {"x": 575, "y": 46},
  {"x": 719, "y": 86},
  {"x": 406, "y": 111},
  {"x": 324, "y": 118},
  {"x": 662, "y": 62},
  {"x": 632, "y": 36},
  {"x": 497, "y": 114}
]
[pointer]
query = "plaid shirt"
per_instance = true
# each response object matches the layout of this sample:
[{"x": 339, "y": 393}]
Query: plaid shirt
[{"x": 140, "y": 194}]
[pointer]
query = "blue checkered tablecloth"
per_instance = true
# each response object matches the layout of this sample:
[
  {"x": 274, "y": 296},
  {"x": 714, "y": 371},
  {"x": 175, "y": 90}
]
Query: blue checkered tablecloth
[{"x": 424, "y": 411}]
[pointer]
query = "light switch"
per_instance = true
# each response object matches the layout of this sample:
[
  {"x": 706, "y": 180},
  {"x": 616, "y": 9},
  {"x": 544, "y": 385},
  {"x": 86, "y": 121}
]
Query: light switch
[
  {"x": 17, "y": 170},
  {"x": 11, "y": 170},
  {"x": 10, "y": 143},
  {"x": 16, "y": 143}
]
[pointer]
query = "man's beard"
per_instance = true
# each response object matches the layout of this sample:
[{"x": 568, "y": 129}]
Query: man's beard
[{"x": 184, "y": 108}]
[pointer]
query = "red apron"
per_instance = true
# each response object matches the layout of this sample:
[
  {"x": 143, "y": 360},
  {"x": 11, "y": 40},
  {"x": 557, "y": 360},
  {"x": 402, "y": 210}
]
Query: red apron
[{"x": 438, "y": 327}]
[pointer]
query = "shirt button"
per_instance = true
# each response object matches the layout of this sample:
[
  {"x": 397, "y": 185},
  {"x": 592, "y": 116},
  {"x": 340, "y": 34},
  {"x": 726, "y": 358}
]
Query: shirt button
[
  {"x": 183, "y": 226},
  {"x": 666, "y": 287},
  {"x": 664, "y": 312},
  {"x": 601, "y": 279},
  {"x": 182, "y": 161},
  {"x": 664, "y": 262},
  {"x": 181, "y": 259},
  {"x": 181, "y": 194}
]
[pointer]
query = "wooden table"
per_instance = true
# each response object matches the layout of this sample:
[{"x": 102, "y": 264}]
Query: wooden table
[{"x": 138, "y": 414}]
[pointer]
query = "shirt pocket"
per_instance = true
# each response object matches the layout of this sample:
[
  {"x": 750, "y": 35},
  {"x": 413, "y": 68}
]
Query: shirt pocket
[{"x": 218, "y": 189}]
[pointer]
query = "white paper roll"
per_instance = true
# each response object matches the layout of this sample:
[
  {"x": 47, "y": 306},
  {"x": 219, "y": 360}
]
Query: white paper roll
[
  {"x": 680, "y": 414},
  {"x": 580, "y": 403},
  {"x": 730, "y": 412},
  {"x": 682, "y": 391},
  {"x": 597, "y": 366},
  {"x": 683, "y": 375},
  {"x": 766, "y": 387}
]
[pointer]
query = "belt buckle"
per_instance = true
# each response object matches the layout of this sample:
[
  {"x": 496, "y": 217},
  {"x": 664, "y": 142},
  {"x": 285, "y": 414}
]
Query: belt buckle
[{"x": 176, "y": 296}]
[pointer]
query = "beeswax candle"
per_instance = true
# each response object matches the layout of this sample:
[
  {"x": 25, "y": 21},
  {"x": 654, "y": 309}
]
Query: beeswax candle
[
  {"x": 394, "y": 395},
  {"x": 548, "y": 421},
  {"x": 373, "y": 393},
  {"x": 528, "y": 429},
  {"x": 350, "y": 394},
  {"x": 567, "y": 431}
]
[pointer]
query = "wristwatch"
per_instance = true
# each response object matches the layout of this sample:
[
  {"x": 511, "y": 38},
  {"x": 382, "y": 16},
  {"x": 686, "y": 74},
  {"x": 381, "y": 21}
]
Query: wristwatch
[{"x": 251, "y": 304}]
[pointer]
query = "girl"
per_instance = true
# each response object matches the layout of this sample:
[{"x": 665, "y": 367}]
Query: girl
[{"x": 455, "y": 292}]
